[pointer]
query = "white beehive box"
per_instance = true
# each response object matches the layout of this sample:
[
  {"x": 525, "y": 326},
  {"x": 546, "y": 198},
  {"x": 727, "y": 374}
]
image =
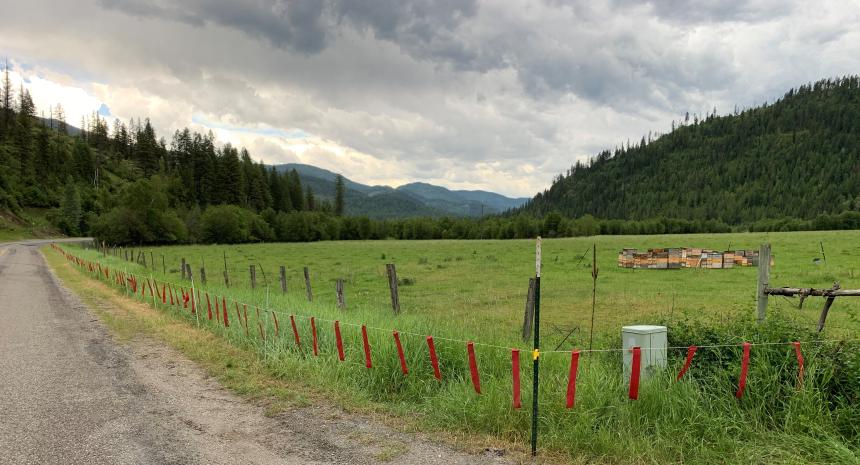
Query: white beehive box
[{"x": 653, "y": 342}]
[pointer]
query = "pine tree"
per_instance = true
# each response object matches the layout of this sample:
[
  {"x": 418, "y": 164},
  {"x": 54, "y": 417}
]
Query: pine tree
[
  {"x": 296, "y": 190},
  {"x": 339, "y": 189},
  {"x": 70, "y": 209},
  {"x": 310, "y": 201},
  {"x": 6, "y": 102}
]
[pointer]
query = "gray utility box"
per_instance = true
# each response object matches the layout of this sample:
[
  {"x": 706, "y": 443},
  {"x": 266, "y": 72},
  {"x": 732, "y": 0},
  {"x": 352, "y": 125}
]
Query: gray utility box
[{"x": 652, "y": 340}]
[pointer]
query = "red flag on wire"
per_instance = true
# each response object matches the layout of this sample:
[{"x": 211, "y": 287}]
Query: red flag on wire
[
  {"x": 224, "y": 309},
  {"x": 367, "y": 361},
  {"x": 515, "y": 372},
  {"x": 400, "y": 355},
  {"x": 745, "y": 364},
  {"x": 691, "y": 351},
  {"x": 635, "y": 370},
  {"x": 314, "y": 336},
  {"x": 208, "y": 306},
  {"x": 434, "y": 361},
  {"x": 338, "y": 340},
  {"x": 277, "y": 326},
  {"x": 245, "y": 310},
  {"x": 799, "y": 355},
  {"x": 571, "y": 379},
  {"x": 473, "y": 366},
  {"x": 295, "y": 331}
]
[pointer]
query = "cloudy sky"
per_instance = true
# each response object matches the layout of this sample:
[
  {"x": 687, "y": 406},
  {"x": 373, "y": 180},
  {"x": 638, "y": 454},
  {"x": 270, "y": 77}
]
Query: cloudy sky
[{"x": 499, "y": 94}]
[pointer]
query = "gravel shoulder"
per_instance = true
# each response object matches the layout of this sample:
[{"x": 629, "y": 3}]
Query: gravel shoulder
[{"x": 71, "y": 393}]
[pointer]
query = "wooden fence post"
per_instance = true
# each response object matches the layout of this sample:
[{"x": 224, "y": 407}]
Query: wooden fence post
[
  {"x": 308, "y": 285},
  {"x": 163, "y": 265},
  {"x": 530, "y": 311},
  {"x": 188, "y": 272},
  {"x": 392, "y": 286},
  {"x": 253, "y": 271},
  {"x": 182, "y": 268},
  {"x": 203, "y": 275},
  {"x": 283, "y": 271},
  {"x": 763, "y": 280},
  {"x": 144, "y": 260},
  {"x": 338, "y": 287}
]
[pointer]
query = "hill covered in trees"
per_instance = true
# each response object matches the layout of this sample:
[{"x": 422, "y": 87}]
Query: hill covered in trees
[{"x": 781, "y": 165}]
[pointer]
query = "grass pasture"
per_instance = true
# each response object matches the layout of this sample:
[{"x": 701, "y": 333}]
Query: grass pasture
[{"x": 475, "y": 290}]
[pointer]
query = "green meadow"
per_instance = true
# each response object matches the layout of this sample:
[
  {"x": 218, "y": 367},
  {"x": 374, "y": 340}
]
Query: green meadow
[{"x": 475, "y": 290}]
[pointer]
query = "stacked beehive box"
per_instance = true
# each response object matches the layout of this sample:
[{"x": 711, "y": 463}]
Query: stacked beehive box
[{"x": 676, "y": 258}]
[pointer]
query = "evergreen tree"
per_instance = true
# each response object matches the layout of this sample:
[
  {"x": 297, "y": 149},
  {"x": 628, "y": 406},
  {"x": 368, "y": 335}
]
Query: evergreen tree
[
  {"x": 7, "y": 110},
  {"x": 310, "y": 202},
  {"x": 70, "y": 209},
  {"x": 296, "y": 190}
]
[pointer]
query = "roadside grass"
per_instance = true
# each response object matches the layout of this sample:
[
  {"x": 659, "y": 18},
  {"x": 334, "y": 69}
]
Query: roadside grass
[{"x": 695, "y": 421}]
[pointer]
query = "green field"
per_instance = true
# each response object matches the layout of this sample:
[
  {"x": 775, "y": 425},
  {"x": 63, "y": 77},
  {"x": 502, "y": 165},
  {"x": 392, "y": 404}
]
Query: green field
[
  {"x": 475, "y": 290},
  {"x": 482, "y": 284}
]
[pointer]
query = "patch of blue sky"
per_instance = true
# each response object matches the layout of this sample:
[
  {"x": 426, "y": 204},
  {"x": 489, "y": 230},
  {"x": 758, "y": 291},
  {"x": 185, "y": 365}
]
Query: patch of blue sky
[{"x": 260, "y": 130}]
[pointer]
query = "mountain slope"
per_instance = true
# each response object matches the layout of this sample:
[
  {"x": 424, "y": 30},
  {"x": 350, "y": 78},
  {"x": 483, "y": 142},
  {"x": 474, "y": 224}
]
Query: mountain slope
[
  {"x": 409, "y": 200},
  {"x": 798, "y": 157}
]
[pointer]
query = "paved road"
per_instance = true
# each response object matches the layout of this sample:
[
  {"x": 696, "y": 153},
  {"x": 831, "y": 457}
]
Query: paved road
[{"x": 69, "y": 394}]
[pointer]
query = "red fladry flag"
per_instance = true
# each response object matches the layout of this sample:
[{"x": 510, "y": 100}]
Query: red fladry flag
[
  {"x": 171, "y": 296},
  {"x": 314, "y": 336},
  {"x": 691, "y": 351},
  {"x": 434, "y": 361},
  {"x": 208, "y": 306},
  {"x": 515, "y": 372},
  {"x": 799, "y": 355},
  {"x": 295, "y": 331},
  {"x": 217, "y": 310},
  {"x": 635, "y": 372},
  {"x": 224, "y": 309},
  {"x": 277, "y": 326},
  {"x": 745, "y": 365},
  {"x": 163, "y": 294},
  {"x": 473, "y": 366},
  {"x": 245, "y": 310},
  {"x": 193, "y": 303},
  {"x": 400, "y": 355},
  {"x": 571, "y": 379},
  {"x": 366, "y": 344},
  {"x": 339, "y": 340}
]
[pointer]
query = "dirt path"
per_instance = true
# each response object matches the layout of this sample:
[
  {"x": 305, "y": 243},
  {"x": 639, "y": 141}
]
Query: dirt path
[{"x": 70, "y": 394}]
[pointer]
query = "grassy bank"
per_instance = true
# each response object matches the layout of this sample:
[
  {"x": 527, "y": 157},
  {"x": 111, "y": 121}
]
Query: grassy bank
[{"x": 695, "y": 421}]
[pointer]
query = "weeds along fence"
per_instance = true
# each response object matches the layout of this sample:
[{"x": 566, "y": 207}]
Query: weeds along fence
[{"x": 480, "y": 386}]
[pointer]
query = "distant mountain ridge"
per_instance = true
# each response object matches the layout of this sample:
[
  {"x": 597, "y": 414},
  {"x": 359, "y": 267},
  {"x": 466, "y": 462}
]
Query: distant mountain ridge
[{"x": 408, "y": 200}]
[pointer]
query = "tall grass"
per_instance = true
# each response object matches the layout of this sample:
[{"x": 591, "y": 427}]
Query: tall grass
[{"x": 697, "y": 420}]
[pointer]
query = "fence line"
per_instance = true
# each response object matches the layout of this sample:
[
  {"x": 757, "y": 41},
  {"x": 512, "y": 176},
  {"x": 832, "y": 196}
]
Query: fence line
[{"x": 267, "y": 309}]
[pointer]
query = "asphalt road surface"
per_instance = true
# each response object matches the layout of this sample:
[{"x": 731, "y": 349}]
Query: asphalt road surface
[{"x": 70, "y": 394}]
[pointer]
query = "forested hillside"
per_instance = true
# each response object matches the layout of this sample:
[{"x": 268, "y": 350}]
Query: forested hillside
[
  {"x": 797, "y": 158},
  {"x": 794, "y": 164}
]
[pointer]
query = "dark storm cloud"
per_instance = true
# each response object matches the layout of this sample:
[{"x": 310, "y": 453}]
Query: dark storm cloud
[{"x": 295, "y": 25}]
